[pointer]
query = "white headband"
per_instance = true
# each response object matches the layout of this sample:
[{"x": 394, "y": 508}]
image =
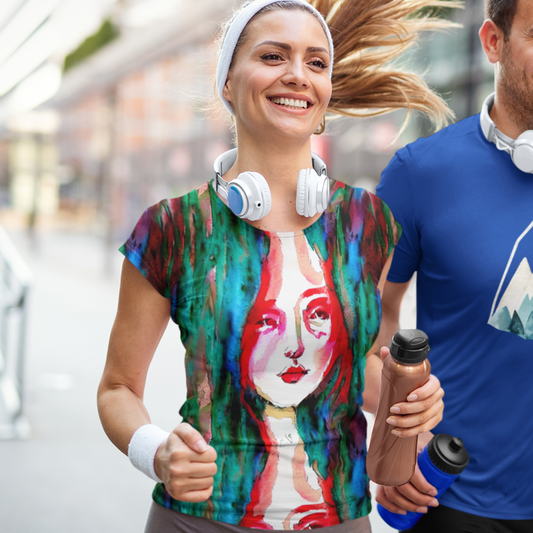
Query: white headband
[{"x": 235, "y": 29}]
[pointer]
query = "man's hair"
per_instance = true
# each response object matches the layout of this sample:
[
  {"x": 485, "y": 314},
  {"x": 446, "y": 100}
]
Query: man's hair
[{"x": 502, "y": 13}]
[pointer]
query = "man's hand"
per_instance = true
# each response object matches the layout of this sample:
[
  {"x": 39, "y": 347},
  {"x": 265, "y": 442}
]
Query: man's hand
[
  {"x": 416, "y": 495},
  {"x": 186, "y": 464}
]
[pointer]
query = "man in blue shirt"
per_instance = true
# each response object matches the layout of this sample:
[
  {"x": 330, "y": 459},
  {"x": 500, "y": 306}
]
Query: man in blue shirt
[{"x": 464, "y": 198}]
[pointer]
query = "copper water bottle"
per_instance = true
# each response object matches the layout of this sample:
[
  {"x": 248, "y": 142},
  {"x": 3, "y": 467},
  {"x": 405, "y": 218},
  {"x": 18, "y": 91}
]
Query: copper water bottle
[{"x": 390, "y": 459}]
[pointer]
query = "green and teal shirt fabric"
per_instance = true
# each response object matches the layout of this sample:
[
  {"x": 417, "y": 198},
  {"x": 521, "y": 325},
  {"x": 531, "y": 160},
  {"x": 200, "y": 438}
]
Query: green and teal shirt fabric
[{"x": 276, "y": 327}]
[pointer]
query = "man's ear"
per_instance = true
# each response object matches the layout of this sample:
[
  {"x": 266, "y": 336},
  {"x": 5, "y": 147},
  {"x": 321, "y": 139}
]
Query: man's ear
[{"x": 492, "y": 40}]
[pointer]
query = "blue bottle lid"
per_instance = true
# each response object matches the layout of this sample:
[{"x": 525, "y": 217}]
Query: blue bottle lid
[{"x": 448, "y": 453}]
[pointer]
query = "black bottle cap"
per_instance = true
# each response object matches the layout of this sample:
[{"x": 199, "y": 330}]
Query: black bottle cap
[
  {"x": 448, "y": 453},
  {"x": 409, "y": 346}
]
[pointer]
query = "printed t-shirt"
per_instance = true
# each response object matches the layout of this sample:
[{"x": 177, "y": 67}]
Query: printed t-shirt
[
  {"x": 467, "y": 218},
  {"x": 276, "y": 327}
]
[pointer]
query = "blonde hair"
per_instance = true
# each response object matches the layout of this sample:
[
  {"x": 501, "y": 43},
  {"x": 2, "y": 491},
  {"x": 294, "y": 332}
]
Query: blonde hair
[{"x": 368, "y": 36}]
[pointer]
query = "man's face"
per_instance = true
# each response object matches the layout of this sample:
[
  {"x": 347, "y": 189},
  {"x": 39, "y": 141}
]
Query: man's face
[{"x": 516, "y": 67}]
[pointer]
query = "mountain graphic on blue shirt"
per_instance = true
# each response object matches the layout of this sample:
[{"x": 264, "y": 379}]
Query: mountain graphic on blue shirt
[{"x": 515, "y": 310}]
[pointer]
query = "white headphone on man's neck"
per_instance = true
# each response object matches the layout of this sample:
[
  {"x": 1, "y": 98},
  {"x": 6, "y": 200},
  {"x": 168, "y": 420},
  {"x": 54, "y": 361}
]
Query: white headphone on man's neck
[
  {"x": 249, "y": 196},
  {"x": 521, "y": 150}
]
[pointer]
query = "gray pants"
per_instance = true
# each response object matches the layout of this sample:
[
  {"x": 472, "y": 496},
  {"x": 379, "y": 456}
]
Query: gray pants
[{"x": 163, "y": 520}]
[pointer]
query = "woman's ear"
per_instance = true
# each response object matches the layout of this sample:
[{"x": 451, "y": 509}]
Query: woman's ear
[
  {"x": 492, "y": 40},
  {"x": 226, "y": 92}
]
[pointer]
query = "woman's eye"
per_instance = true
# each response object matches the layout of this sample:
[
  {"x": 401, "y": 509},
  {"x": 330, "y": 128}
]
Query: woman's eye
[
  {"x": 271, "y": 57},
  {"x": 319, "y": 63}
]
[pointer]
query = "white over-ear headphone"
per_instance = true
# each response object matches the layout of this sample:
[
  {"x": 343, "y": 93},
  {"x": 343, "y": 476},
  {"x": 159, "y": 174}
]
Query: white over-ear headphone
[
  {"x": 521, "y": 150},
  {"x": 249, "y": 197}
]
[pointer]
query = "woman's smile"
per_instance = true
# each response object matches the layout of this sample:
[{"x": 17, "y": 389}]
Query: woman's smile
[{"x": 291, "y": 102}]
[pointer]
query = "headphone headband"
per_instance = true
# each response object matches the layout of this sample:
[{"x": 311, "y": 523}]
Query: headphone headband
[
  {"x": 226, "y": 160},
  {"x": 248, "y": 196},
  {"x": 491, "y": 132},
  {"x": 487, "y": 124},
  {"x": 520, "y": 150}
]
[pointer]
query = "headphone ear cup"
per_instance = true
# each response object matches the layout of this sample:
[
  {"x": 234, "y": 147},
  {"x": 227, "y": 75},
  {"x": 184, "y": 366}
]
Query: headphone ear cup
[
  {"x": 523, "y": 152},
  {"x": 322, "y": 194},
  {"x": 249, "y": 196},
  {"x": 301, "y": 192},
  {"x": 266, "y": 198},
  {"x": 312, "y": 195}
]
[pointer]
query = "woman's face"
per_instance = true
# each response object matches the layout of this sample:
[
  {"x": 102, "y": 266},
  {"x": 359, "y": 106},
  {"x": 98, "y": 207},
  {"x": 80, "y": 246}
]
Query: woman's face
[
  {"x": 292, "y": 326},
  {"x": 284, "y": 58}
]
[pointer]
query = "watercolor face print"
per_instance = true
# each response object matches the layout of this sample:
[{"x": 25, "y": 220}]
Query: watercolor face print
[{"x": 292, "y": 327}]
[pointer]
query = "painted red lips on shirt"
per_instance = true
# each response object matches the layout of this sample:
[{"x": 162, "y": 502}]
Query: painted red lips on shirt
[{"x": 293, "y": 374}]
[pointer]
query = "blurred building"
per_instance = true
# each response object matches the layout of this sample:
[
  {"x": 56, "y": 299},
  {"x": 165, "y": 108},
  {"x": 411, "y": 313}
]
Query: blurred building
[
  {"x": 136, "y": 124},
  {"x": 135, "y": 119}
]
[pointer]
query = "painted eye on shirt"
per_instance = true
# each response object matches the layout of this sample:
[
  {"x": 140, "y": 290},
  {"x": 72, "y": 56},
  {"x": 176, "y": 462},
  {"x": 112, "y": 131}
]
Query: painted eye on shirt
[
  {"x": 268, "y": 322},
  {"x": 317, "y": 317}
]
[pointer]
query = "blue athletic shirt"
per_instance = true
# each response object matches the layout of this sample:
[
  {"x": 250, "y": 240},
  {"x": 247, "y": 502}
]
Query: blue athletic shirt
[{"x": 467, "y": 218}]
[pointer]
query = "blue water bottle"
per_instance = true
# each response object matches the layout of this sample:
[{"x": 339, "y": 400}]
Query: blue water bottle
[{"x": 441, "y": 461}]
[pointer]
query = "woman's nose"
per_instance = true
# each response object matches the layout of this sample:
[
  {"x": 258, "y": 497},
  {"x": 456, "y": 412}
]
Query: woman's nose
[
  {"x": 293, "y": 342},
  {"x": 295, "y": 74}
]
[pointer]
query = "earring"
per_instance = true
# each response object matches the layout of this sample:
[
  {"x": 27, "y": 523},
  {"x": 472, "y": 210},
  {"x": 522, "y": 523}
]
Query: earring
[{"x": 321, "y": 127}]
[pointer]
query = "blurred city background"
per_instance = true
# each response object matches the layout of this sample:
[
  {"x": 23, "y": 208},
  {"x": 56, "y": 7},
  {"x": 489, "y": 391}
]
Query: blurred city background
[{"x": 106, "y": 107}]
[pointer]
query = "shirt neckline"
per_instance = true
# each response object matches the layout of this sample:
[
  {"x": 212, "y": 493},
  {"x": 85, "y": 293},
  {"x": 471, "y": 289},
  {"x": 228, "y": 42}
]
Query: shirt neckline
[{"x": 247, "y": 226}]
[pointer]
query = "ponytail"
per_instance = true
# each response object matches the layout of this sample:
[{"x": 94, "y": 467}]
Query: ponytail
[{"x": 368, "y": 36}]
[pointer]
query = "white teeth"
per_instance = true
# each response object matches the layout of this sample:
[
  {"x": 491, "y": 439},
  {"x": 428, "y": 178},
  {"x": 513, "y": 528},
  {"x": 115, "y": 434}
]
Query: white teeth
[{"x": 290, "y": 102}]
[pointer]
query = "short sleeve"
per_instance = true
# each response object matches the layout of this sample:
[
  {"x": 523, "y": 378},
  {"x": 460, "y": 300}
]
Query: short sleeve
[
  {"x": 396, "y": 191},
  {"x": 150, "y": 247},
  {"x": 381, "y": 233},
  {"x": 371, "y": 233},
  {"x": 390, "y": 228}
]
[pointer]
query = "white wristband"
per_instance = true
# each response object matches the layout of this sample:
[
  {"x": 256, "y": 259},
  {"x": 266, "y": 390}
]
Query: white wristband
[{"x": 143, "y": 447}]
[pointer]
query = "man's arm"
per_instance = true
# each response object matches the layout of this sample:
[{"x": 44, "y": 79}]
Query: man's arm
[
  {"x": 391, "y": 299},
  {"x": 418, "y": 493}
]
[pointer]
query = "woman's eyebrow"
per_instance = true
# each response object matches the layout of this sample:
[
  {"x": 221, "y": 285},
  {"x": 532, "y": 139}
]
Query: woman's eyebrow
[
  {"x": 286, "y": 46},
  {"x": 316, "y": 49}
]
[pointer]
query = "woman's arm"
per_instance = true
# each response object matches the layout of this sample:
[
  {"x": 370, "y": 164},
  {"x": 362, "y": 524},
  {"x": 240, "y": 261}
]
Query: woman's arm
[
  {"x": 185, "y": 463},
  {"x": 141, "y": 320}
]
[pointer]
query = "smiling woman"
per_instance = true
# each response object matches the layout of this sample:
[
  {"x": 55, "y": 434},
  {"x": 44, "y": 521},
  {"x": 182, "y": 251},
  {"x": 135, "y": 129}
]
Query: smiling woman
[
  {"x": 272, "y": 271},
  {"x": 366, "y": 37},
  {"x": 285, "y": 58}
]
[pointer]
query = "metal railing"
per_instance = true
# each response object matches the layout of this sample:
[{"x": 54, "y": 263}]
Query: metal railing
[{"x": 16, "y": 280}]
